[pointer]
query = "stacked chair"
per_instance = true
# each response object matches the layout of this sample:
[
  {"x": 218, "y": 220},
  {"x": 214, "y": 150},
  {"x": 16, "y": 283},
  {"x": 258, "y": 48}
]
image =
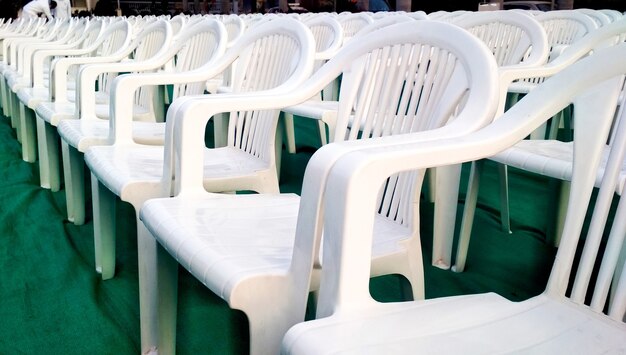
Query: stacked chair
[
  {"x": 546, "y": 157},
  {"x": 559, "y": 320}
]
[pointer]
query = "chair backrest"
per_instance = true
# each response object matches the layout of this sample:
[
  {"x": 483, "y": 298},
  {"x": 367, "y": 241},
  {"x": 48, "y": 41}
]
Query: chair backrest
[
  {"x": 418, "y": 15},
  {"x": 380, "y": 23},
  {"x": 235, "y": 27},
  {"x": 150, "y": 46},
  {"x": 85, "y": 38},
  {"x": 512, "y": 36},
  {"x": 63, "y": 32},
  {"x": 447, "y": 16},
  {"x": 328, "y": 35},
  {"x": 564, "y": 27},
  {"x": 391, "y": 92},
  {"x": 112, "y": 42},
  {"x": 348, "y": 234},
  {"x": 353, "y": 23},
  {"x": 178, "y": 23},
  {"x": 614, "y": 15},
  {"x": 516, "y": 40},
  {"x": 598, "y": 17},
  {"x": 196, "y": 46},
  {"x": 265, "y": 59}
]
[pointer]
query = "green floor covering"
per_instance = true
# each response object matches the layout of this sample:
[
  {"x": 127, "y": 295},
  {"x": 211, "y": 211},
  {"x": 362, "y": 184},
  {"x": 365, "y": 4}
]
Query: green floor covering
[{"x": 53, "y": 302}]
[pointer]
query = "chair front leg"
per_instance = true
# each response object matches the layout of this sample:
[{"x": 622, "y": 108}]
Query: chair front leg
[{"x": 103, "y": 228}]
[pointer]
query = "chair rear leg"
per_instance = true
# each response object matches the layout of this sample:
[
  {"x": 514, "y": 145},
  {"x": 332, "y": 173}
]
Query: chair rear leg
[
  {"x": 167, "y": 293},
  {"x": 469, "y": 210},
  {"x": 446, "y": 201},
  {"x": 505, "y": 216},
  {"x": 290, "y": 132},
  {"x": 29, "y": 134}
]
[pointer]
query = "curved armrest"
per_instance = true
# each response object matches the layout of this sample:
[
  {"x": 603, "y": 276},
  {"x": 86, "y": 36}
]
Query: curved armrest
[
  {"x": 60, "y": 68},
  {"x": 42, "y": 55},
  {"x": 89, "y": 73}
]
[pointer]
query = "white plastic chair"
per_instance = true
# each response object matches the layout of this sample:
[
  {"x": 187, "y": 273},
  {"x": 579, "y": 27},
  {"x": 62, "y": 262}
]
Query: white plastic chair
[
  {"x": 247, "y": 248},
  {"x": 606, "y": 36},
  {"x": 20, "y": 51},
  {"x": 110, "y": 45},
  {"x": 195, "y": 48},
  {"x": 33, "y": 30},
  {"x": 283, "y": 48},
  {"x": 556, "y": 321},
  {"x": 29, "y": 86},
  {"x": 148, "y": 51}
]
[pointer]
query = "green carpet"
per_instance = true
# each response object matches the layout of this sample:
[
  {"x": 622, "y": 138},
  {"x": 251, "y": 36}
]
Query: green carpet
[{"x": 53, "y": 302}]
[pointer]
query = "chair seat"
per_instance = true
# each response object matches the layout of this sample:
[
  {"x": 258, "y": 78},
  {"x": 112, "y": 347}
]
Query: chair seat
[
  {"x": 194, "y": 232},
  {"x": 16, "y": 81},
  {"x": 551, "y": 158},
  {"x": 31, "y": 97},
  {"x": 480, "y": 324},
  {"x": 194, "y": 229},
  {"x": 83, "y": 134},
  {"x": 54, "y": 112},
  {"x": 116, "y": 166}
]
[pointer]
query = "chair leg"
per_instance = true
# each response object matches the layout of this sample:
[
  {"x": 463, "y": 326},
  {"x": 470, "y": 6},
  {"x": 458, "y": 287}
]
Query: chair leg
[
  {"x": 167, "y": 292},
  {"x": 561, "y": 211},
  {"x": 446, "y": 201},
  {"x": 290, "y": 133},
  {"x": 74, "y": 177},
  {"x": 471, "y": 199},
  {"x": 42, "y": 144},
  {"x": 157, "y": 294},
  {"x": 555, "y": 124},
  {"x": 3, "y": 97},
  {"x": 415, "y": 273},
  {"x": 29, "y": 135},
  {"x": 220, "y": 129},
  {"x": 15, "y": 118},
  {"x": 278, "y": 149},
  {"x": 321, "y": 126},
  {"x": 619, "y": 228},
  {"x": 103, "y": 228},
  {"x": 505, "y": 217},
  {"x": 268, "y": 327},
  {"x": 48, "y": 148},
  {"x": 431, "y": 178}
]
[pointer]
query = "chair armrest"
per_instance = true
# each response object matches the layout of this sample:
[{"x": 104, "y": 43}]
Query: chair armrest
[
  {"x": 60, "y": 68},
  {"x": 88, "y": 75},
  {"x": 122, "y": 94},
  {"x": 42, "y": 55}
]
